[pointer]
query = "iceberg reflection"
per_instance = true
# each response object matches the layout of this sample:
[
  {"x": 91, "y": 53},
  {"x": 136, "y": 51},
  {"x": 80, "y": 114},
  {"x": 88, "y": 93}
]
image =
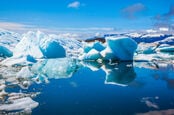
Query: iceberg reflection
[
  {"x": 55, "y": 68},
  {"x": 121, "y": 73},
  {"x": 16, "y": 82}
]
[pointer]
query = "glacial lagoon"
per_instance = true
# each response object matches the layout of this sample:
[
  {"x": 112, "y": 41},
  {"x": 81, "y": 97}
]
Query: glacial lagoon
[{"x": 66, "y": 86}]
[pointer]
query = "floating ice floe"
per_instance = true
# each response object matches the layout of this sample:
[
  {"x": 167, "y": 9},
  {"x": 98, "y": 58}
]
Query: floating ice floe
[
  {"x": 168, "y": 40},
  {"x": 151, "y": 37},
  {"x": 165, "y": 49},
  {"x": 144, "y": 48},
  {"x": 19, "y": 104}
]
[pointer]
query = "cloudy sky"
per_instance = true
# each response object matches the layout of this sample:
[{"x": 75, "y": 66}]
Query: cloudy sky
[{"x": 93, "y": 14}]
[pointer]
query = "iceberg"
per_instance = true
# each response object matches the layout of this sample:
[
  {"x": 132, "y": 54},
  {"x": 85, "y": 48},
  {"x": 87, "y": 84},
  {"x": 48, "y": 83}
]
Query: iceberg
[
  {"x": 117, "y": 48},
  {"x": 5, "y": 52},
  {"x": 52, "y": 49},
  {"x": 107, "y": 54},
  {"x": 30, "y": 47},
  {"x": 122, "y": 48},
  {"x": 38, "y": 45},
  {"x": 9, "y": 39},
  {"x": 92, "y": 55},
  {"x": 98, "y": 46}
]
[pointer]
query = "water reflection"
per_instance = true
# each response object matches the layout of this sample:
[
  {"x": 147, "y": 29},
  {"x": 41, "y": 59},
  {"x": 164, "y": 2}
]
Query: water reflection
[
  {"x": 158, "y": 71},
  {"x": 119, "y": 74},
  {"x": 115, "y": 73},
  {"x": 16, "y": 96},
  {"x": 55, "y": 68}
]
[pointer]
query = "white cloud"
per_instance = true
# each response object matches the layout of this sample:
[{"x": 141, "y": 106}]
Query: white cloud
[
  {"x": 75, "y": 4},
  {"x": 11, "y": 25},
  {"x": 87, "y": 32}
]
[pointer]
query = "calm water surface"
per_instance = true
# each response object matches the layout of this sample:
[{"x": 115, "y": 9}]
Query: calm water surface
[{"x": 69, "y": 87}]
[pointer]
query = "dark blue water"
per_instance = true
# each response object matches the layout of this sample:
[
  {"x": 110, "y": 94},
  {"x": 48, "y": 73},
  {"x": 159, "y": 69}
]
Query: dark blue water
[{"x": 112, "y": 89}]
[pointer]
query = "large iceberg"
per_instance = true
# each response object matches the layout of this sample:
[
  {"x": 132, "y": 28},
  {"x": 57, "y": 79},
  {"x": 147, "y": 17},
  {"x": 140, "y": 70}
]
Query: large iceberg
[
  {"x": 117, "y": 48},
  {"x": 38, "y": 45},
  {"x": 122, "y": 48}
]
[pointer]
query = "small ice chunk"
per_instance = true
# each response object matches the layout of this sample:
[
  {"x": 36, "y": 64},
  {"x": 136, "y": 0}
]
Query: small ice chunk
[
  {"x": 166, "y": 49},
  {"x": 98, "y": 46},
  {"x": 92, "y": 55},
  {"x": 19, "y": 104}
]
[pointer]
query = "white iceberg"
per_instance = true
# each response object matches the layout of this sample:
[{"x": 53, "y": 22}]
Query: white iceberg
[
  {"x": 38, "y": 45},
  {"x": 9, "y": 39}
]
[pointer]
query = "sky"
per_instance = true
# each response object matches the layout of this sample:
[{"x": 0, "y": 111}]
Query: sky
[{"x": 91, "y": 14}]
